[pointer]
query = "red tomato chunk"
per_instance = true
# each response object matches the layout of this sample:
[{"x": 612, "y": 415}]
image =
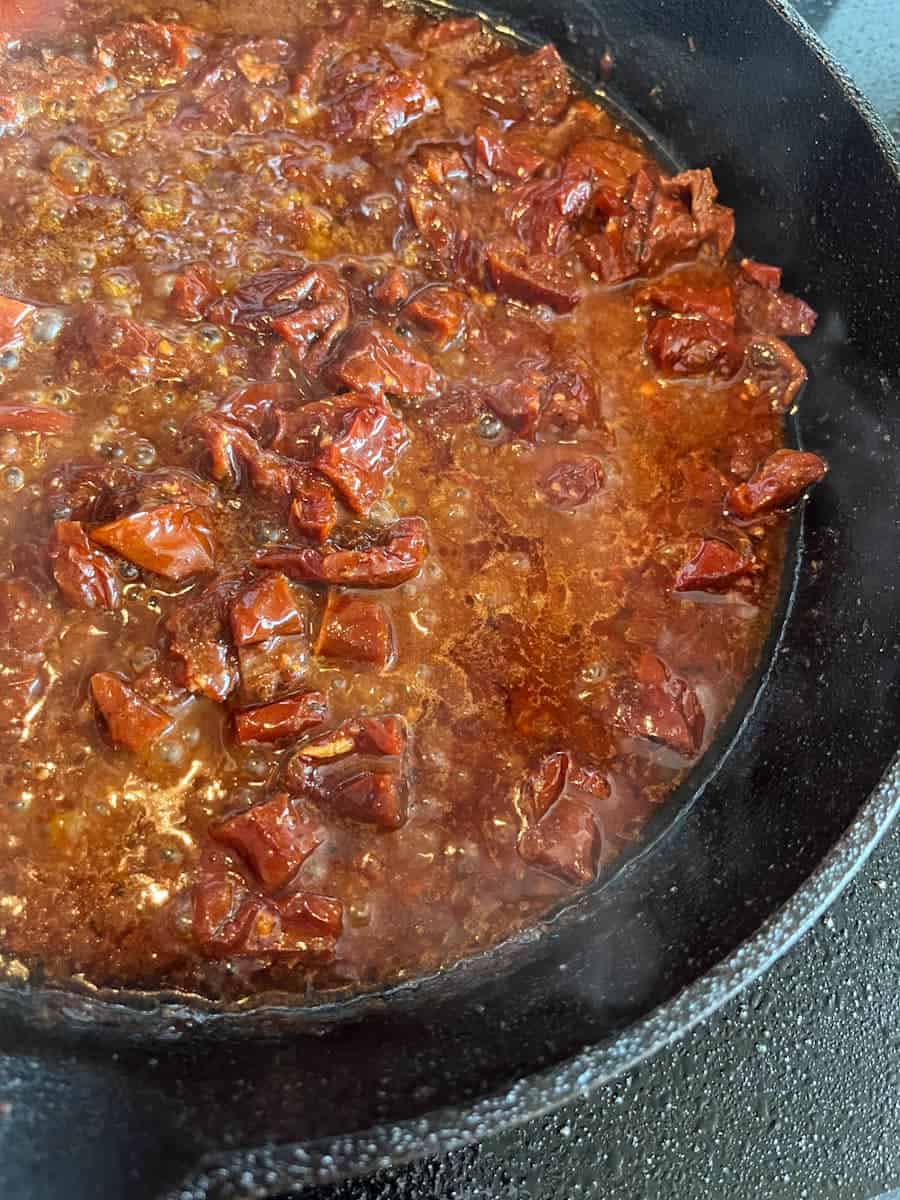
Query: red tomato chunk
[
  {"x": 777, "y": 484},
  {"x": 661, "y": 707},
  {"x": 714, "y": 567},
  {"x": 85, "y": 575},
  {"x": 274, "y": 836},
  {"x": 130, "y": 721},
  {"x": 265, "y": 609},
  {"x": 562, "y": 835},
  {"x": 281, "y": 719},
  {"x": 171, "y": 541},
  {"x": 356, "y": 629}
]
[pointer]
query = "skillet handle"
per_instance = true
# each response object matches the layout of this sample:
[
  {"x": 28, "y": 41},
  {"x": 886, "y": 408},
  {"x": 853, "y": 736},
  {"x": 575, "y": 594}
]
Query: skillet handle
[{"x": 87, "y": 1128}]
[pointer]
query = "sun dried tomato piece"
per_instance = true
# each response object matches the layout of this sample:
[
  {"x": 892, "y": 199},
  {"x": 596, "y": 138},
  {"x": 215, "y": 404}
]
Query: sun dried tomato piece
[
  {"x": 392, "y": 290},
  {"x": 541, "y": 398},
  {"x": 258, "y": 301},
  {"x": 441, "y": 225},
  {"x": 85, "y": 575},
  {"x": 321, "y": 315},
  {"x": 263, "y": 59},
  {"x": 686, "y": 295},
  {"x": 356, "y": 629},
  {"x": 386, "y": 735},
  {"x": 263, "y": 931},
  {"x": 764, "y": 308},
  {"x": 109, "y": 343},
  {"x": 172, "y": 541},
  {"x": 449, "y": 32},
  {"x": 377, "y": 795},
  {"x": 301, "y": 432},
  {"x": 231, "y": 449},
  {"x": 398, "y": 559},
  {"x": 360, "y": 461},
  {"x": 692, "y": 346},
  {"x": 531, "y": 278},
  {"x": 556, "y": 775},
  {"x": 13, "y": 315},
  {"x": 572, "y": 482},
  {"x": 287, "y": 718},
  {"x": 762, "y": 274},
  {"x": 602, "y": 256},
  {"x": 543, "y": 212},
  {"x": 148, "y": 51},
  {"x": 320, "y": 914},
  {"x": 213, "y": 904},
  {"x": 659, "y": 706},
  {"x": 224, "y": 94},
  {"x": 524, "y": 85},
  {"x": 130, "y": 720},
  {"x": 659, "y": 220},
  {"x": 354, "y": 440},
  {"x": 497, "y": 152},
  {"x": 100, "y": 492},
  {"x": 612, "y": 165},
  {"x": 156, "y": 685},
  {"x": 34, "y": 418},
  {"x": 199, "y": 641},
  {"x": 373, "y": 359},
  {"x": 565, "y": 843},
  {"x": 370, "y": 99},
  {"x": 542, "y": 787},
  {"x": 275, "y": 837},
  {"x": 371, "y": 797},
  {"x": 274, "y": 668},
  {"x": 194, "y": 290},
  {"x": 315, "y": 300},
  {"x": 315, "y": 56},
  {"x": 314, "y": 509},
  {"x": 713, "y": 223},
  {"x": 265, "y": 608},
  {"x": 383, "y": 736},
  {"x": 518, "y": 402},
  {"x": 255, "y": 406},
  {"x": 775, "y": 485},
  {"x": 228, "y": 921},
  {"x": 571, "y": 401},
  {"x": 439, "y": 310},
  {"x": 773, "y": 369},
  {"x": 561, "y": 835},
  {"x": 713, "y": 567}
]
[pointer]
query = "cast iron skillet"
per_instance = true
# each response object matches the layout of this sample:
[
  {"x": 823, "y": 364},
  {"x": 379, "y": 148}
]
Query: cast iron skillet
[{"x": 113, "y": 1098}]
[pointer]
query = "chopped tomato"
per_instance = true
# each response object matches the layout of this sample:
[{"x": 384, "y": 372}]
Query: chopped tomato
[
  {"x": 131, "y": 721},
  {"x": 172, "y": 541}
]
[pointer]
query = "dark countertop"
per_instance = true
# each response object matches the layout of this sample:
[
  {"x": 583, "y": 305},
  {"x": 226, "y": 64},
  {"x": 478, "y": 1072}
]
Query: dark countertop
[{"x": 793, "y": 1089}]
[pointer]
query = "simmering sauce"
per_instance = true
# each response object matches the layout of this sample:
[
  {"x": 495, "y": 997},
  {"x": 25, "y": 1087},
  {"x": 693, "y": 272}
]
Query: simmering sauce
[{"x": 391, "y": 490}]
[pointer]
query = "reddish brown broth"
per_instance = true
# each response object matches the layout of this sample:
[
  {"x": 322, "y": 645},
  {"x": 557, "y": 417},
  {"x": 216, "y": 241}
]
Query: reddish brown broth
[{"x": 391, "y": 491}]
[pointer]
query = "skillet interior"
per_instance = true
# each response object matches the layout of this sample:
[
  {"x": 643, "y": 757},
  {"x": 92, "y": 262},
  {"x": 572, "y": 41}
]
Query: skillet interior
[{"x": 821, "y": 195}]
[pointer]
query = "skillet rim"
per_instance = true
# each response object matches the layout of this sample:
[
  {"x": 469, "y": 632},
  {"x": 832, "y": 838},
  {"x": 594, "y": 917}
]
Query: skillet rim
[{"x": 270, "y": 1170}]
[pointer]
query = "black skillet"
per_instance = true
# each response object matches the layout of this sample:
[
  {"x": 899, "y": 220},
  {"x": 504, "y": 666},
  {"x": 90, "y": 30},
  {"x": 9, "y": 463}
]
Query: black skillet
[{"x": 106, "y": 1097}]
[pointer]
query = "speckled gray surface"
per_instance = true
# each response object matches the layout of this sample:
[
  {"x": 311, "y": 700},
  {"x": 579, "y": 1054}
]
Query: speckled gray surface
[{"x": 792, "y": 1090}]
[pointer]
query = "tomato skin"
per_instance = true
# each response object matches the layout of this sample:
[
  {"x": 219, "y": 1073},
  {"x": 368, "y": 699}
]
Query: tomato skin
[{"x": 173, "y": 541}]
